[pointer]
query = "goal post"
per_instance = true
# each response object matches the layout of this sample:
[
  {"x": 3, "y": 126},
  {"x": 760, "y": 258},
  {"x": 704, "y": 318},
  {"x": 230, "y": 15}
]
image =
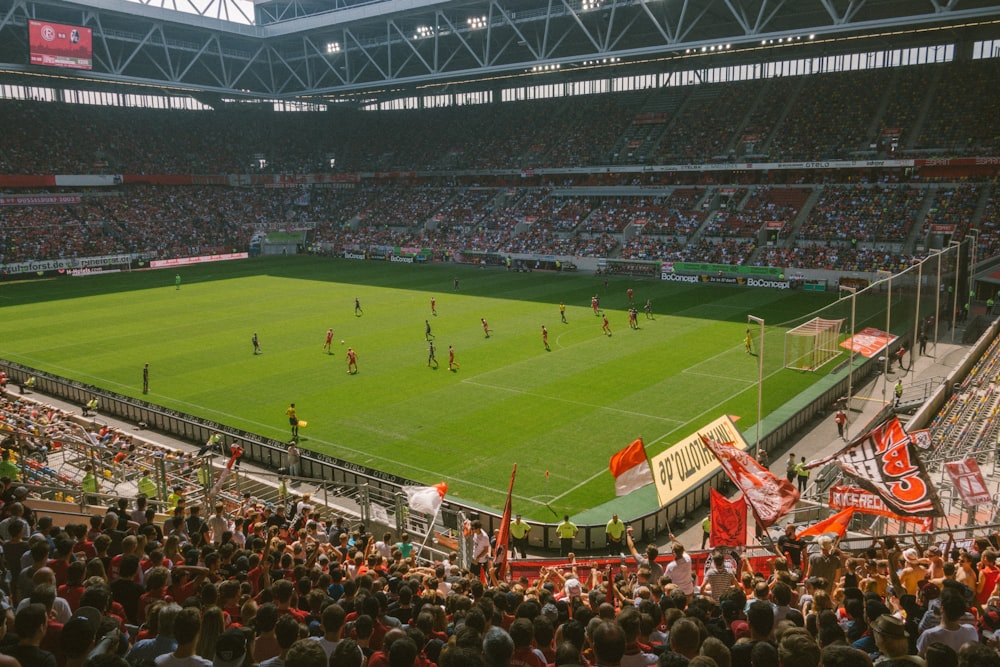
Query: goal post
[{"x": 810, "y": 345}]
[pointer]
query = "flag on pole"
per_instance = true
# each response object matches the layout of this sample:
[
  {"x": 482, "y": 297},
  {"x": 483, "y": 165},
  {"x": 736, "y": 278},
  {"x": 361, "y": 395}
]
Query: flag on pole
[
  {"x": 835, "y": 524},
  {"x": 768, "y": 496},
  {"x": 630, "y": 468},
  {"x": 885, "y": 462},
  {"x": 503, "y": 537},
  {"x": 426, "y": 499},
  {"x": 237, "y": 452},
  {"x": 729, "y": 521}
]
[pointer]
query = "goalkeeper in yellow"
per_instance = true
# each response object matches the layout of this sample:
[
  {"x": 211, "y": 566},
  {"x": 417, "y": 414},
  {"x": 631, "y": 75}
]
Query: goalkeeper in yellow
[{"x": 748, "y": 342}]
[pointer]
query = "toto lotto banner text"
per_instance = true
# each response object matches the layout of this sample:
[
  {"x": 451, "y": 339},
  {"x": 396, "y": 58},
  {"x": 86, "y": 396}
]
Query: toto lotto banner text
[{"x": 688, "y": 463}]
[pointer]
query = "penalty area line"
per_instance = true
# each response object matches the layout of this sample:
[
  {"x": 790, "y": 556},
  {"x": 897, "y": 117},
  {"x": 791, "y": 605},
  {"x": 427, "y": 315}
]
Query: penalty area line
[{"x": 570, "y": 401}]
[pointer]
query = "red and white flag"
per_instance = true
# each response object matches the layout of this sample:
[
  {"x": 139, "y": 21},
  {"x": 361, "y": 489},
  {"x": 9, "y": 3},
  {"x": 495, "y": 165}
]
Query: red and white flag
[
  {"x": 426, "y": 499},
  {"x": 969, "y": 482},
  {"x": 835, "y": 524},
  {"x": 630, "y": 468},
  {"x": 729, "y": 521},
  {"x": 768, "y": 496}
]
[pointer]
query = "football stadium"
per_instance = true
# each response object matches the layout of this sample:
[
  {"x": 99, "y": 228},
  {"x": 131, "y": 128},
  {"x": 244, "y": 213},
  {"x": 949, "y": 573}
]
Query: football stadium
[{"x": 425, "y": 329}]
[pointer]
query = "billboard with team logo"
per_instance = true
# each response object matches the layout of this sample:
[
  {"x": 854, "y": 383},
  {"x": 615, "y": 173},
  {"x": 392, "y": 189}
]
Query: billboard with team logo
[{"x": 59, "y": 45}]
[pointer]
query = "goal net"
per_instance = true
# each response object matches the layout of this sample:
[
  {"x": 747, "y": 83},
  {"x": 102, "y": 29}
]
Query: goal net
[{"x": 810, "y": 345}]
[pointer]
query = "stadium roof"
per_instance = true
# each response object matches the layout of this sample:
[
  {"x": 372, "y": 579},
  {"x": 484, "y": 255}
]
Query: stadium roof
[{"x": 331, "y": 50}]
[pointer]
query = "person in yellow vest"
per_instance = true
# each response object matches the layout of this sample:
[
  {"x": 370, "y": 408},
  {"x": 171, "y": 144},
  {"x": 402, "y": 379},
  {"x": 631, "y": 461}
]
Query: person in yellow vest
[
  {"x": 205, "y": 475},
  {"x": 90, "y": 406},
  {"x": 212, "y": 443},
  {"x": 803, "y": 474},
  {"x": 519, "y": 537},
  {"x": 706, "y": 531},
  {"x": 566, "y": 530},
  {"x": 282, "y": 489},
  {"x": 8, "y": 468},
  {"x": 175, "y": 496},
  {"x": 146, "y": 486},
  {"x": 614, "y": 532},
  {"x": 90, "y": 485}
]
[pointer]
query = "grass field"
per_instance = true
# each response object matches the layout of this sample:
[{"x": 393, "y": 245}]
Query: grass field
[{"x": 564, "y": 411}]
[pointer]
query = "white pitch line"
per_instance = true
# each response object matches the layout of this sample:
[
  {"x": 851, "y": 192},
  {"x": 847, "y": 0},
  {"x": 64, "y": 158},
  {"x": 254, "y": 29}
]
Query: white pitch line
[
  {"x": 716, "y": 377},
  {"x": 567, "y": 400}
]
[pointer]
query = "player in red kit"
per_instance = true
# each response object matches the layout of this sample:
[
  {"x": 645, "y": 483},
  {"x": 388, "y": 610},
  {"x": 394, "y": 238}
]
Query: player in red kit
[
  {"x": 606, "y": 327},
  {"x": 352, "y": 361},
  {"x": 452, "y": 364},
  {"x": 434, "y": 311},
  {"x": 329, "y": 341},
  {"x": 629, "y": 295}
]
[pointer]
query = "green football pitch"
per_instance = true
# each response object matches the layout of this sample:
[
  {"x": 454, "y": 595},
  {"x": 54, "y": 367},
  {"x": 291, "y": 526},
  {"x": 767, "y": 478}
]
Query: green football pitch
[{"x": 559, "y": 414}]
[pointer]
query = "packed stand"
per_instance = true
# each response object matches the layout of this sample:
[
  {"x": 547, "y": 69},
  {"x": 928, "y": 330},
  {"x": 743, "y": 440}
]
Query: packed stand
[
  {"x": 157, "y": 221},
  {"x": 903, "y": 106},
  {"x": 828, "y": 119},
  {"x": 951, "y": 210},
  {"x": 863, "y": 213},
  {"x": 255, "y": 584},
  {"x": 706, "y": 123},
  {"x": 961, "y": 116},
  {"x": 758, "y": 210}
]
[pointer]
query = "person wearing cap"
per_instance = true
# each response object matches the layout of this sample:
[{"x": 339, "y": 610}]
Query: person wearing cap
[
  {"x": 187, "y": 627},
  {"x": 826, "y": 563},
  {"x": 230, "y": 649},
  {"x": 77, "y": 638},
  {"x": 913, "y": 573},
  {"x": 519, "y": 537}
]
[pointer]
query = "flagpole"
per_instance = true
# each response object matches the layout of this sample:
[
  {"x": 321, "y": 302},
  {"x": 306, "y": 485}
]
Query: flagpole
[{"x": 430, "y": 531}]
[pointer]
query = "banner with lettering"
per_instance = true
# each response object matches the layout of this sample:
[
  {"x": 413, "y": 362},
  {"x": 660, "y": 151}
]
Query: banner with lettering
[
  {"x": 969, "y": 482},
  {"x": 885, "y": 461},
  {"x": 687, "y": 464},
  {"x": 856, "y": 498}
]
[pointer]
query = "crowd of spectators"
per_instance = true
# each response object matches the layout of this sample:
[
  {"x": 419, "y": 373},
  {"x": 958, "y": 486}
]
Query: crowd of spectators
[
  {"x": 851, "y": 227},
  {"x": 746, "y": 218},
  {"x": 277, "y": 585},
  {"x": 862, "y": 213},
  {"x": 953, "y": 206},
  {"x": 833, "y": 256},
  {"x": 704, "y": 127},
  {"x": 829, "y": 119},
  {"x": 790, "y": 118},
  {"x": 956, "y": 124}
]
